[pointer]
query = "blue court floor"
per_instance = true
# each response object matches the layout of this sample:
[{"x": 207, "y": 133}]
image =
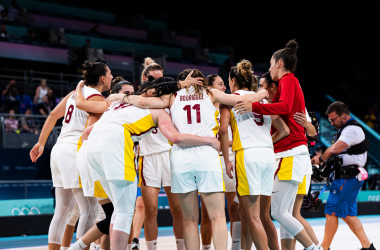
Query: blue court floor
[{"x": 370, "y": 224}]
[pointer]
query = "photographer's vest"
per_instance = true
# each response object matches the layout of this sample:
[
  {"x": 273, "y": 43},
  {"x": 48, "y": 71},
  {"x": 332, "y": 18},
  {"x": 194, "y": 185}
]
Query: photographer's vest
[{"x": 356, "y": 149}]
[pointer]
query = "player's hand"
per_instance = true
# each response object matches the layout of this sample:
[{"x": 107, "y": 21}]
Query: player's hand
[
  {"x": 215, "y": 143},
  {"x": 191, "y": 81},
  {"x": 243, "y": 107},
  {"x": 264, "y": 92},
  {"x": 114, "y": 98},
  {"x": 229, "y": 169},
  {"x": 81, "y": 84},
  {"x": 300, "y": 118},
  {"x": 36, "y": 152}
]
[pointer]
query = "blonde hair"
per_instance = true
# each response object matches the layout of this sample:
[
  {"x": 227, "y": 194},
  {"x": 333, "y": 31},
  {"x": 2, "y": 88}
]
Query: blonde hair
[
  {"x": 196, "y": 73},
  {"x": 243, "y": 75},
  {"x": 149, "y": 65}
]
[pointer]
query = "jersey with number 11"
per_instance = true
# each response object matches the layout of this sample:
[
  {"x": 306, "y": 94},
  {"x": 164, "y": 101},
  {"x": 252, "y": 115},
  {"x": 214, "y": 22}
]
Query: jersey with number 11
[
  {"x": 250, "y": 130},
  {"x": 75, "y": 120},
  {"x": 194, "y": 113}
]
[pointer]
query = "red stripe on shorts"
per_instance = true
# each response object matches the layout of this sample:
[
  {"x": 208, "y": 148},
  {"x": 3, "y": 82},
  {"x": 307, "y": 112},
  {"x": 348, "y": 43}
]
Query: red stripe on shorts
[
  {"x": 278, "y": 169},
  {"x": 142, "y": 172}
]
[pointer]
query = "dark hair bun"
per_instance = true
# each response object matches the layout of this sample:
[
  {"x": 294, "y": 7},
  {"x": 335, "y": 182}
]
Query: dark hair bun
[
  {"x": 87, "y": 66},
  {"x": 292, "y": 46}
]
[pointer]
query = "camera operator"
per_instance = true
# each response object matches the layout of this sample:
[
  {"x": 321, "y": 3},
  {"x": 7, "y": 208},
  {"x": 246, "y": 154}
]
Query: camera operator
[{"x": 352, "y": 145}]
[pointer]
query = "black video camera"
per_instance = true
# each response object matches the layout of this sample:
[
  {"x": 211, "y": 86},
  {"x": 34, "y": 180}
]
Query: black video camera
[
  {"x": 311, "y": 202},
  {"x": 326, "y": 168}
]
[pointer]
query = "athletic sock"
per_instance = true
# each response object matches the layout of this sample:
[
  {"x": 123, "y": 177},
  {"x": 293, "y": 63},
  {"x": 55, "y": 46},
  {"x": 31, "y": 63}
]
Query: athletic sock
[
  {"x": 79, "y": 245},
  {"x": 180, "y": 244},
  {"x": 129, "y": 247},
  {"x": 97, "y": 247},
  {"x": 151, "y": 245},
  {"x": 311, "y": 247},
  {"x": 319, "y": 247},
  {"x": 236, "y": 235},
  {"x": 64, "y": 248},
  {"x": 206, "y": 247}
]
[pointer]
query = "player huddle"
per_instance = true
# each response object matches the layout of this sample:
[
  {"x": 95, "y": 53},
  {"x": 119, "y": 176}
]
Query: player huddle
[{"x": 248, "y": 146}]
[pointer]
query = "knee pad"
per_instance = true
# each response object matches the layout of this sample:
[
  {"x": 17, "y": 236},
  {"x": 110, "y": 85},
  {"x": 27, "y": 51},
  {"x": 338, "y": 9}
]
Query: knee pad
[
  {"x": 101, "y": 214},
  {"x": 104, "y": 225},
  {"x": 74, "y": 215}
]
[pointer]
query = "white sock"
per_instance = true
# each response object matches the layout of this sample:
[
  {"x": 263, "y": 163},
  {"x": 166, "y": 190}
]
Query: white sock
[
  {"x": 151, "y": 245},
  {"x": 129, "y": 247},
  {"x": 180, "y": 244},
  {"x": 79, "y": 245},
  {"x": 206, "y": 247},
  {"x": 64, "y": 248},
  {"x": 236, "y": 238},
  {"x": 310, "y": 247},
  {"x": 97, "y": 247},
  {"x": 319, "y": 247}
]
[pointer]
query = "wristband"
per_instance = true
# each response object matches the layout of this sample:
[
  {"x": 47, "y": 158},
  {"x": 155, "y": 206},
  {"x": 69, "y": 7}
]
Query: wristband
[{"x": 320, "y": 159}]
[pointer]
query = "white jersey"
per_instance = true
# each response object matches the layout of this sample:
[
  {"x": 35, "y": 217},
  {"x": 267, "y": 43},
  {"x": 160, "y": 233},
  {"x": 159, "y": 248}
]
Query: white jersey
[
  {"x": 154, "y": 143},
  {"x": 250, "y": 130},
  {"x": 138, "y": 122},
  {"x": 75, "y": 120},
  {"x": 194, "y": 113},
  {"x": 230, "y": 152}
]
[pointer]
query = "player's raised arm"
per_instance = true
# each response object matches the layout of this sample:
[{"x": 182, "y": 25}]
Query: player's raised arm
[
  {"x": 55, "y": 114},
  {"x": 232, "y": 100}
]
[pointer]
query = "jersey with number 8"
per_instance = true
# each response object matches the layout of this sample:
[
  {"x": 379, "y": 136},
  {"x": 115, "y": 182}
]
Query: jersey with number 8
[
  {"x": 250, "y": 130},
  {"x": 194, "y": 114},
  {"x": 75, "y": 120}
]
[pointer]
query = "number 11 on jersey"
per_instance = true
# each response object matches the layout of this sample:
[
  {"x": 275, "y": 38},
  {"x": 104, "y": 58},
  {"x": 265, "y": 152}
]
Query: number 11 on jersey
[{"x": 196, "y": 107}]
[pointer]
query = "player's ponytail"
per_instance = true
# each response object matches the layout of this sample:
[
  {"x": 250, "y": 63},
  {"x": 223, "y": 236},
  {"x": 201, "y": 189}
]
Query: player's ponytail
[
  {"x": 288, "y": 55},
  {"x": 243, "y": 75},
  {"x": 92, "y": 72}
]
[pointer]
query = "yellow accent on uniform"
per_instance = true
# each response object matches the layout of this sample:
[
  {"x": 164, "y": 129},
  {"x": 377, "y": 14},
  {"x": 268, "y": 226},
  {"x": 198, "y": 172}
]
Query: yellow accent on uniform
[
  {"x": 241, "y": 175},
  {"x": 286, "y": 169},
  {"x": 236, "y": 142},
  {"x": 216, "y": 128},
  {"x": 141, "y": 126},
  {"x": 302, "y": 186},
  {"x": 221, "y": 167},
  {"x": 80, "y": 139},
  {"x": 141, "y": 158},
  {"x": 99, "y": 191}
]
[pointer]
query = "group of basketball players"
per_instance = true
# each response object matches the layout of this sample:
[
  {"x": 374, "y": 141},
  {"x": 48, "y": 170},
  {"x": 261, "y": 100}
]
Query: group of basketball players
[{"x": 249, "y": 146}]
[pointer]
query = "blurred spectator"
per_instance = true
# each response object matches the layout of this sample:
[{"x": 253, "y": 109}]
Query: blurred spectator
[
  {"x": 29, "y": 37},
  {"x": 3, "y": 31},
  {"x": 41, "y": 91},
  {"x": 95, "y": 29},
  {"x": 43, "y": 107},
  {"x": 86, "y": 48},
  {"x": 370, "y": 119},
  {"x": 11, "y": 98},
  {"x": 13, "y": 11},
  {"x": 1, "y": 8},
  {"x": 4, "y": 14},
  {"x": 28, "y": 125},
  {"x": 11, "y": 123},
  {"x": 52, "y": 99}
]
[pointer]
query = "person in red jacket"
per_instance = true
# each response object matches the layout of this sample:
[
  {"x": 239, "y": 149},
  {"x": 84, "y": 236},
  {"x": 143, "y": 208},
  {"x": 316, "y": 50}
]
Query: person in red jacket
[{"x": 292, "y": 154}]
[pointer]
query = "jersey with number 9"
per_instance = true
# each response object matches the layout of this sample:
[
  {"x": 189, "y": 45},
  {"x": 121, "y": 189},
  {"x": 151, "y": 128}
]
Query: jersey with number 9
[
  {"x": 194, "y": 113},
  {"x": 250, "y": 130},
  {"x": 75, "y": 120}
]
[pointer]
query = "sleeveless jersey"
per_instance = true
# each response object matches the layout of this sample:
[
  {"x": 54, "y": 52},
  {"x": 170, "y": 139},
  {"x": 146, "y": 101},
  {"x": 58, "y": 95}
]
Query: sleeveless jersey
[
  {"x": 194, "y": 113},
  {"x": 230, "y": 152},
  {"x": 250, "y": 130},
  {"x": 75, "y": 120},
  {"x": 136, "y": 122},
  {"x": 154, "y": 143}
]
